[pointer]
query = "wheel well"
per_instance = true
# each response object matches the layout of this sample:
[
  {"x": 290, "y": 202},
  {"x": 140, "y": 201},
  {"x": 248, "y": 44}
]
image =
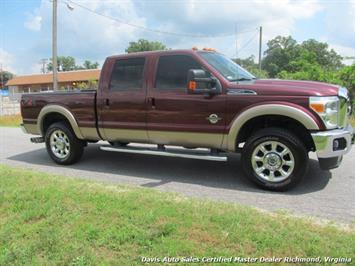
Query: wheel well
[
  {"x": 250, "y": 127},
  {"x": 51, "y": 118}
]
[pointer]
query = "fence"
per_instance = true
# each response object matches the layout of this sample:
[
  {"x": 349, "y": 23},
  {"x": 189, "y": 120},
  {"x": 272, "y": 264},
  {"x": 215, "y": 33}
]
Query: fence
[{"x": 9, "y": 106}]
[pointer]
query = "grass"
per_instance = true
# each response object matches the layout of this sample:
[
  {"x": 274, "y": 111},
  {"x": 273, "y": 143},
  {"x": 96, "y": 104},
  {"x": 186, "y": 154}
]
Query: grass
[
  {"x": 352, "y": 121},
  {"x": 10, "y": 120},
  {"x": 50, "y": 220}
]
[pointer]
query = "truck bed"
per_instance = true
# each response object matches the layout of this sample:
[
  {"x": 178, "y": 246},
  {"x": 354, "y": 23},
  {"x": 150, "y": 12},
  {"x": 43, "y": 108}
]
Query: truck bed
[{"x": 81, "y": 103}]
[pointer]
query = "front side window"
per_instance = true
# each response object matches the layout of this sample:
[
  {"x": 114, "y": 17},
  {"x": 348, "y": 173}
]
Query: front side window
[
  {"x": 172, "y": 71},
  {"x": 127, "y": 74}
]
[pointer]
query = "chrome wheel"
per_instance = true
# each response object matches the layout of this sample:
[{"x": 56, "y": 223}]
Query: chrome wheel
[
  {"x": 59, "y": 144},
  {"x": 272, "y": 161}
]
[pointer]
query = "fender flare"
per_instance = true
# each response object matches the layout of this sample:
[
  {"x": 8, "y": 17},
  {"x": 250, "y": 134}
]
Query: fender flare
[
  {"x": 267, "y": 109},
  {"x": 52, "y": 108}
]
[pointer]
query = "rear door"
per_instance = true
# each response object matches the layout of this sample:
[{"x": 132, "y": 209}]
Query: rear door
[
  {"x": 177, "y": 118},
  {"x": 122, "y": 100}
]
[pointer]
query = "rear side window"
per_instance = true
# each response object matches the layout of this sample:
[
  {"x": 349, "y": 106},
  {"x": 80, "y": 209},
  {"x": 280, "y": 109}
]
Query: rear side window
[
  {"x": 127, "y": 74},
  {"x": 172, "y": 71}
]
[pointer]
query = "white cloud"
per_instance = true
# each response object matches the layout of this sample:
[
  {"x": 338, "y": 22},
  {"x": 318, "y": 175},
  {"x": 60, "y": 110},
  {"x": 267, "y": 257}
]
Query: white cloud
[
  {"x": 33, "y": 22},
  {"x": 85, "y": 35},
  {"x": 6, "y": 60},
  {"x": 345, "y": 51},
  {"x": 340, "y": 22},
  {"x": 80, "y": 31}
]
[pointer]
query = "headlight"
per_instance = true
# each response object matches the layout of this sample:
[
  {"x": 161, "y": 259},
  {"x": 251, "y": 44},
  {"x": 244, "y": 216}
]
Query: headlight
[{"x": 327, "y": 108}]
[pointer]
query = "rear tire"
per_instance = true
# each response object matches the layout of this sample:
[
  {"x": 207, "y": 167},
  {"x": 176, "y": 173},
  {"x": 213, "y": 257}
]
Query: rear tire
[
  {"x": 274, "y": 159},
  {"x": 62, "y": 145}
]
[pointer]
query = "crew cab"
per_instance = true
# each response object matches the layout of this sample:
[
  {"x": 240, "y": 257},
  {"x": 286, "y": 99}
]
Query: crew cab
[{"x": 197, "y": 104}]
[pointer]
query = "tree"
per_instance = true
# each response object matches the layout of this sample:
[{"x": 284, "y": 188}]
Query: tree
[
  {"x": 65, "y": 63},
  {"x": 90, "y": 65},
  {"x": 281, "y": 51},
  {"x": 347, "y": 77},
  {"x": 285, "y": 55},
  {"x": 144, "y": 45},
  {"x": 250, "y": 65},
  {"x": 4, "y": 77},
  {"x": 247, "y": 62},
  {"x": 323, "y": 56}
]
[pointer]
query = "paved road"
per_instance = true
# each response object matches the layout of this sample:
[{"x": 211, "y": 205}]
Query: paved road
[{"x": 324, "y": 194}]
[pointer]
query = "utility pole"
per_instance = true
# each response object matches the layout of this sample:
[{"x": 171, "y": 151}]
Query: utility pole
[
  {"x": 260, "y": 44},
  {"x": 54, "y": 46}
]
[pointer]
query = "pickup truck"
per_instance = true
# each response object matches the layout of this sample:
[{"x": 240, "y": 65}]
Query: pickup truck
[{"x": 197, "y": 104}]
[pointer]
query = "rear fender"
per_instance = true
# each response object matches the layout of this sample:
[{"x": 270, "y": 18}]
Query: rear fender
[{"x": 63, "y": 111}]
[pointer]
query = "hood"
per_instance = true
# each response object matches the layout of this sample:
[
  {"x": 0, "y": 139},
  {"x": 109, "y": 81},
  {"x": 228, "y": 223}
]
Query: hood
[{"x": 289, "y": 87}]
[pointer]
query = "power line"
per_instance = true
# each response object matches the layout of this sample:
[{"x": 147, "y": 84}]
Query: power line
[
  {"x": 120, "y": 21},
  {"x": 248, "y": 42}
]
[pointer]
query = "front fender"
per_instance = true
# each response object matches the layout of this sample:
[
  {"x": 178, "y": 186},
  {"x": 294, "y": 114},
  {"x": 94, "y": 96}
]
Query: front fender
[{"x": 266, "y": 109}]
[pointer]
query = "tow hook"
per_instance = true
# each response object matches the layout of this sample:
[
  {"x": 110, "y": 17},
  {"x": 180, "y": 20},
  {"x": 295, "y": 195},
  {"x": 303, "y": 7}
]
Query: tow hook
[{"x": 37, "y": 140}]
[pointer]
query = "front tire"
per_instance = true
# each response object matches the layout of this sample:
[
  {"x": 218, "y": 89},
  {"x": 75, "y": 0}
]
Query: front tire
[
  {"x": 274, "y": 159},
  {"x": 62, "y": 145}
]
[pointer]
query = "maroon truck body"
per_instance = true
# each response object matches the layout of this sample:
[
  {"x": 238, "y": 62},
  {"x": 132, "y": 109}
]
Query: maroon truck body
[{"x": 175, "y": 117}]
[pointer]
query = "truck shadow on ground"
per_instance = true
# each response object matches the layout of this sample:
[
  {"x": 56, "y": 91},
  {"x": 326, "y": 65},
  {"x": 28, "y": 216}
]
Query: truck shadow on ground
[{"x": 163, "y": 170}]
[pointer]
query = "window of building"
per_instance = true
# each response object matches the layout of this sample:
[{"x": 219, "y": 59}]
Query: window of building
[
  {"x": 172, "y": 71},
  {"x": 127, "y": 74}
]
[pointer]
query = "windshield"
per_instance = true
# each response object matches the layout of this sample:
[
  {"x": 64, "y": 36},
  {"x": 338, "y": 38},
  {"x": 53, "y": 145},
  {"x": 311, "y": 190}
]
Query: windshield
[{"x": 226, "y": 67}]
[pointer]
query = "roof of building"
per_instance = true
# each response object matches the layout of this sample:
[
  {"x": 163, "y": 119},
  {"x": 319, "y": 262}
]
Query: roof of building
[{"x": 68, "y": 76}]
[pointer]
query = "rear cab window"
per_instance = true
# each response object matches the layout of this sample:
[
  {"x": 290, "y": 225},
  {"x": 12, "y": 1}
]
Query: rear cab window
[{"x": 127, "y": 74}]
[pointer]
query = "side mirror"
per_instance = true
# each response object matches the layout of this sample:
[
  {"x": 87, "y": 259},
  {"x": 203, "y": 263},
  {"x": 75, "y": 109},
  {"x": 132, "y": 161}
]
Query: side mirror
[{"x": 200, "y": 82}]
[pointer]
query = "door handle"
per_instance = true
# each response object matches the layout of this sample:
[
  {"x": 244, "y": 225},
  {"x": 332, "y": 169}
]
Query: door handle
[
  {"x": 107, "y": 103},
  {"x": 151, "y": 101}
]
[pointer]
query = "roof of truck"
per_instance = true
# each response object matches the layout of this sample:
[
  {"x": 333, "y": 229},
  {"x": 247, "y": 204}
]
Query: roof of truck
[{"x": 185, "y": 51}]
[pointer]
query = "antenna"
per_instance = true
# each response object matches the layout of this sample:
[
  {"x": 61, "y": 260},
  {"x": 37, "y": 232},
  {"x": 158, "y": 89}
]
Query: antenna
[{"x": 236, "y": 49}]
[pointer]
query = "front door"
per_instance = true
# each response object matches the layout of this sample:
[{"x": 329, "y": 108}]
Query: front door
[
  {"x": 177, "y": 118},
  {"x": 122, "y": 114}
]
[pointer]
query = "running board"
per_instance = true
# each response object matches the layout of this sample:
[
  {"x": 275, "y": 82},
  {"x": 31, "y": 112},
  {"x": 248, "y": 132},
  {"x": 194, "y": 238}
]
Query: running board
[
  {"x": 170, "y": 152},
  {"x": 37, "y": 140}
]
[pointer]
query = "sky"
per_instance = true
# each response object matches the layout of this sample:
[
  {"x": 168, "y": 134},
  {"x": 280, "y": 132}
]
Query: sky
[{"x": 230, "y": 26}]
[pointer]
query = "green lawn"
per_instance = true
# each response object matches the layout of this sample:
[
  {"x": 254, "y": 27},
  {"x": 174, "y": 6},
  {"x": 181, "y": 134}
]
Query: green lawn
[
  {"x": 352, "y": 121},
  {"x": 52, "y": 220},
  {"x": 10, "y": 120}
]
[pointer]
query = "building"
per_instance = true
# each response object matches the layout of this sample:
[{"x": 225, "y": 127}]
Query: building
[{"x": 44, "y": 82}]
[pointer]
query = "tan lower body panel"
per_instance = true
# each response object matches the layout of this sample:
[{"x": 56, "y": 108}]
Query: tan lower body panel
[
  {"x": 188, "y": 139},
  {"x": 31, "y": 129},
  {"x": 89, "y": 133},
  {"x": 129, "y": 135}
]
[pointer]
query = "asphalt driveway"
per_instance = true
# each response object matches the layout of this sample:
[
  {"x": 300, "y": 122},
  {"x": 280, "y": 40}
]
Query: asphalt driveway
[{"x": 324, "y": 194}]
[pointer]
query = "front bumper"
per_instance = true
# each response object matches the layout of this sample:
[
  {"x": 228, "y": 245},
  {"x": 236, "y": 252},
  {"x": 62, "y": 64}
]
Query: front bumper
[{"x": 331, "y": 145}]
